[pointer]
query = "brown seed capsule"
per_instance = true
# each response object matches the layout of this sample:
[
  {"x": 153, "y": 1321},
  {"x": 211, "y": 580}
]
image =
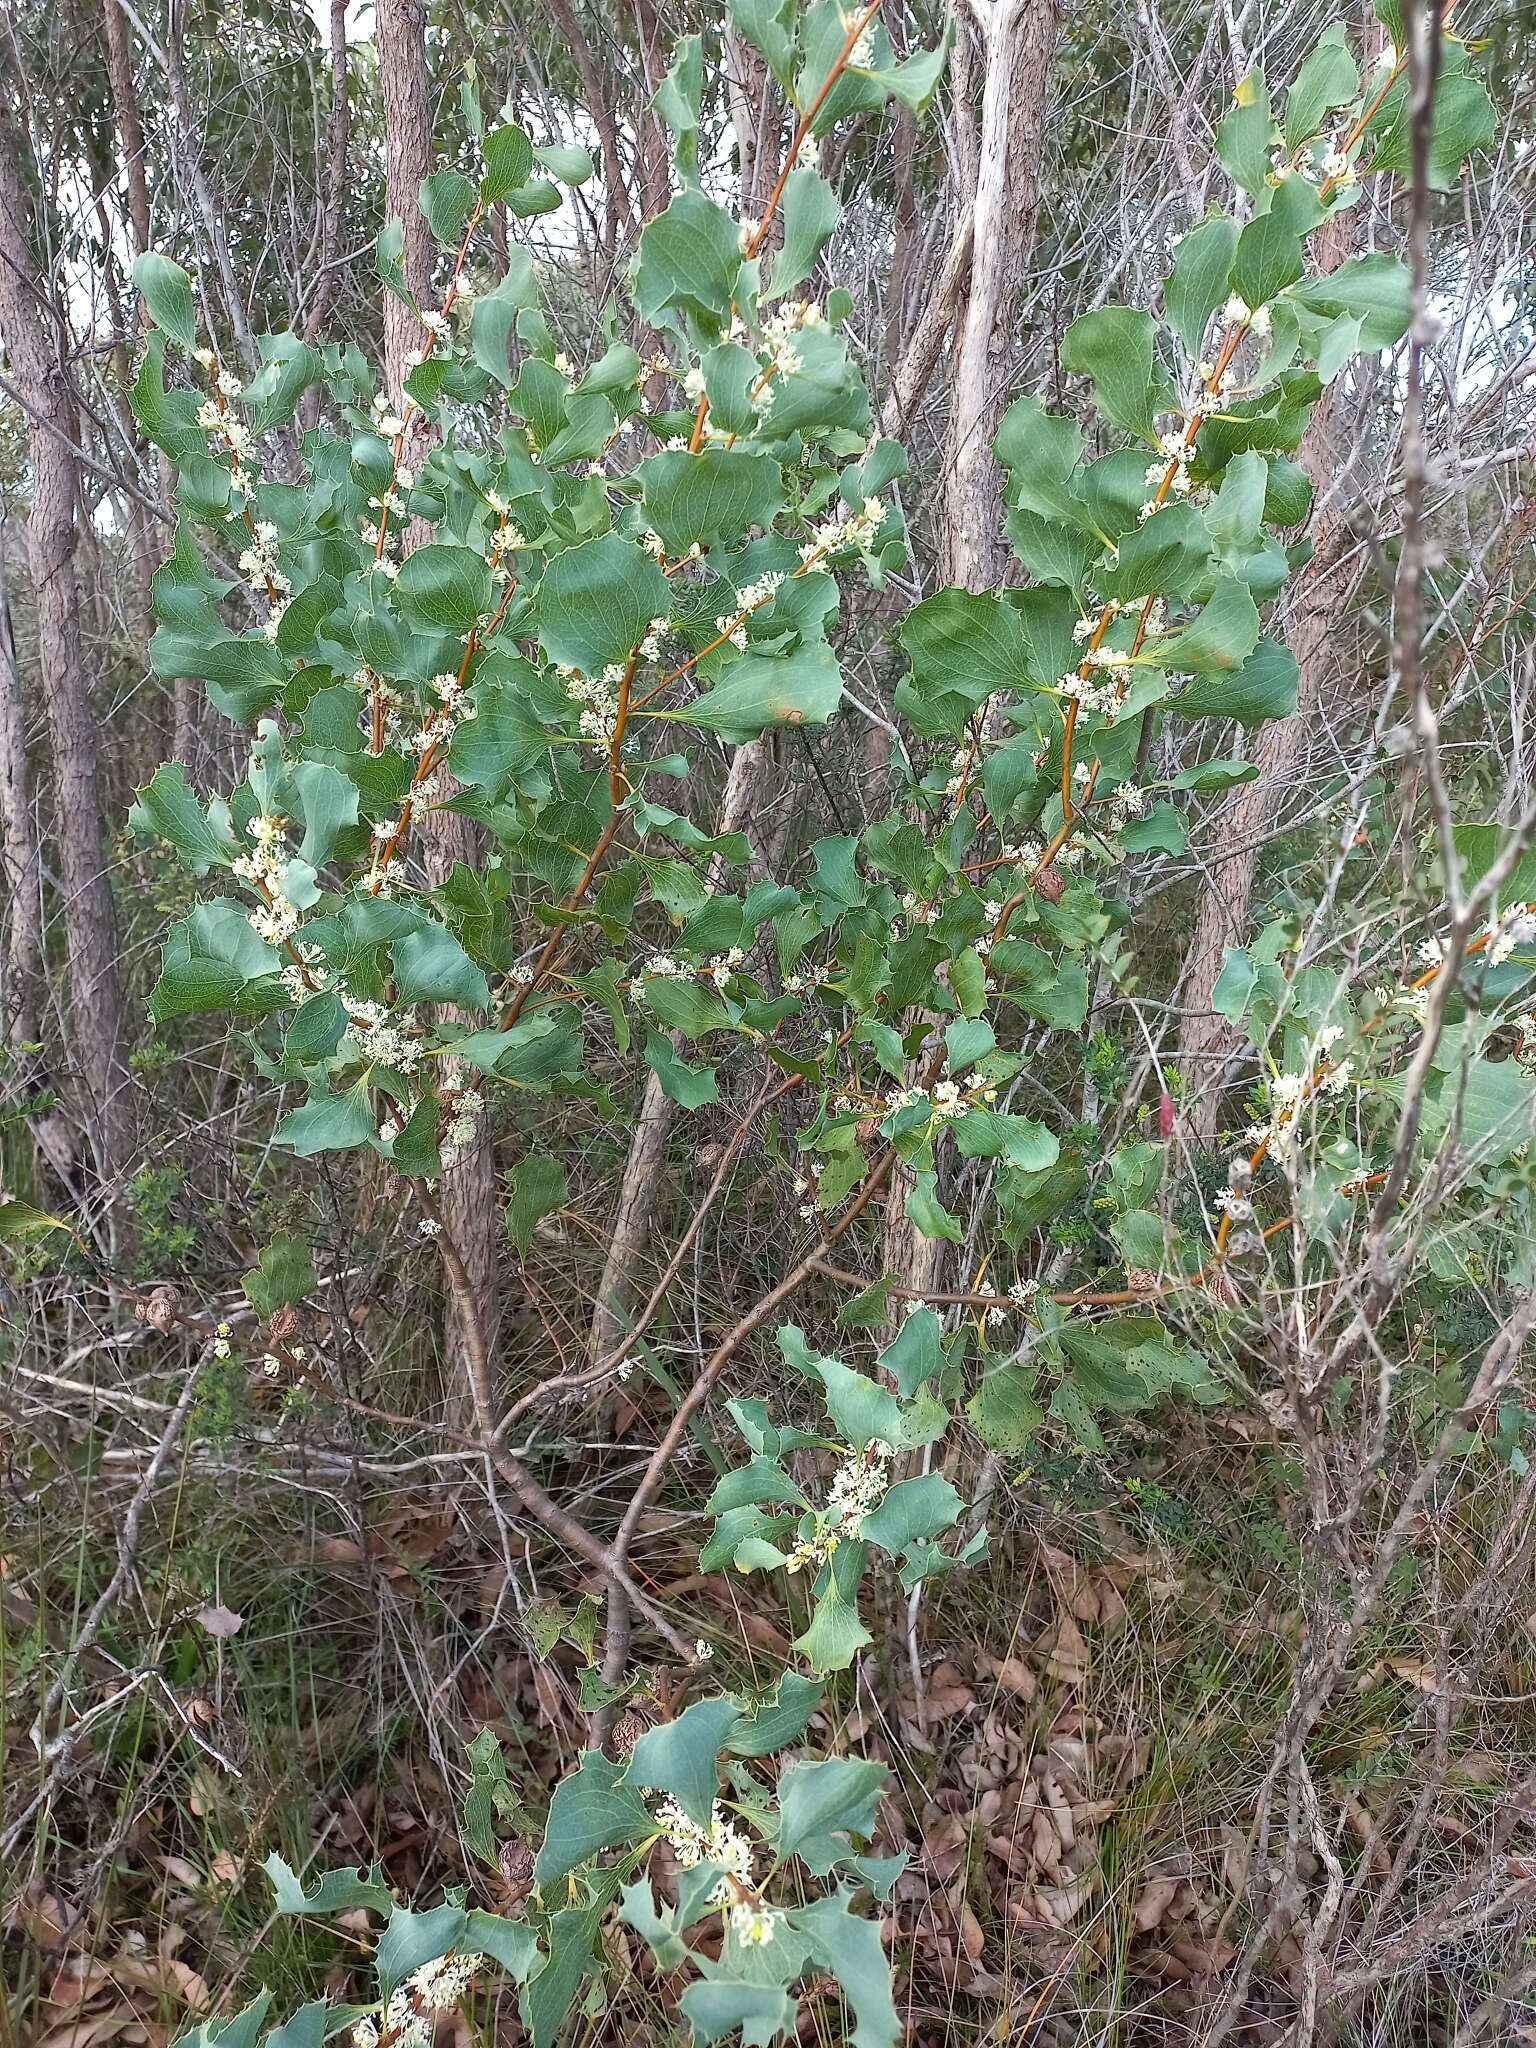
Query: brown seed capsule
[
  {"x": 516, "y": 1860},
  {"x": 284, "y": 1322},
  {"x": 160, "y": 1310},
  {"x": 627, "y": 1731},
  {"x": 1048, "y": 883}
]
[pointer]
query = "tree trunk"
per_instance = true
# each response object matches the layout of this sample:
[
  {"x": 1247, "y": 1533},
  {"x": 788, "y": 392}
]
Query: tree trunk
[
  {"x": 333, "y": 215},
  {"x": 402, "y": 41},
  {"x": 635, "y": 1213},
  {"x": 468, "y": 1198},
  {"x": 1319, "y": 598},
  {"x": 37, "y": 366},
  {"x": 1018, "y": 39}
]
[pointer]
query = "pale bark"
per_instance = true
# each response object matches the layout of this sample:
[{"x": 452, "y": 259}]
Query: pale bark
[
  {"x": 468, "y": 1195},
  {"x": 618, "y": 217},
  {"x": 333, "y": 214},
  {"x": 1018, "y": 39},
  {"x": 20, "y": 875},
  {"x": 635, "y": 1211},
  {"x": 35, "y": 348},
  {"x": 1319, "y": 600},
  {"x": 402, "y": 42}
]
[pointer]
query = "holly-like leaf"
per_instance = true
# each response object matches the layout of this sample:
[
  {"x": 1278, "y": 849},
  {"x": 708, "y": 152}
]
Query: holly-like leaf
[
  {"x": 538, "y": 1189},
  {"x": 756, "y": 691},
  {"x": 682, "y": 1756},
  {"x": 822, "y": 1804},
  {"x": 592, "y": 1809},
  {"x": 166, "y": 290},
  {"x": 597, "y": 601},
  {"x": 1116, "y": 347}
]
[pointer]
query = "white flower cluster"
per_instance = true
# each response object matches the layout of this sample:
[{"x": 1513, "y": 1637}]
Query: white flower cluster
[
  {"x": 265, "y": 867},
  {"x": 1127, "y": 802},
  {"x": 463, "y": 1126},
  {"x": 258, "y": 565},
  {"x": 858, "y": 1485},
  {"x": 663, "y": 967},
  {"x": 215, "y": 419},
  {"x": 1288, "y": 1092},
  {"x": 724, "y": 1843},
  {"x": 386, "y": 420},
  {"x": 598, "y": 697},
  {"x": 784, "y": 359},
  {"x": 407, "y": 2018},
  {"x": 1240, "y": 314},
  {"x": 724, "y": 965},
  {"x": 374, "y": 1037},
  {"x": 750, "y": 598},
  {"x": 1509, "y": 931},
  {"x": 1022, "y": 1295},
  {"x": 1097, "y": 697},
  {"x": 1233, "y": 1201},
  {"x": 845, "y": 530},
  {"x": 753, "y": 1923},
  {"x": 1171, "y": 474}
]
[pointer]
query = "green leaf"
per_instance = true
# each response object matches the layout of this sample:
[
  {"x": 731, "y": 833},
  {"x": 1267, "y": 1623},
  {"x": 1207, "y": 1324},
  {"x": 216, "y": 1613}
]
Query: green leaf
[
  {"x": 822, "y": 1804},
  {"x": 597, "y": 601},
  {"x": 682, "y": 1756},
  {"x": 508, "y": 162},
  {"x": 1115, "y": 347},
  {"x": 569, "y": 162},
  {"x": 1377, "y": 289},
  {"x": 328, "y": 1123},
  {"x": 1004, "y": 1411},
  {"x": 214, "y": 961},
  {"x": 1464, "y": 122},
  {"x": 1328, "y": 79},
  {"x": 836, "y": 1634},
  {"x": 770, "y": 1721},
  {"x": 1162, "y": 830},
  {"x": 339, "y": 1891},
  {"x": 432, "y": 967},
  {"x": 493, "y": 320},
  {"x": 1268, "y": 259},
  {"x": 756, "y": 691},
  {"x": 709, "y": 497},
  {"x": 166, "y": 290},
  {"x": 445, "y": 585},
  {"x": 1263, "y": 687},
  {"x": 445, "y": 200},
  {"x": 689, "y": 260},
  {"x": 389, "y": 259},
  {"x": 592, "y": 1809},
  {"x": 539, "y": 1188},
  {"x": 489, "y": 1795},
  {"x": 715, "y": 2006},
  {"x": 988, "y": 1134},
  {"x": 1198, "y": 282},
  {"x": 913, "y": 1509},
  {"x": 689, "y": 1087},
  {"x": 285, "y": 1273},
  {"x": 970, "y": 645},
  {"x": 1244, "y": 138},
  {"x": 167, "y": 808},
  {"x": 1219, "y": 639},
  {"x": 1208, "y": 775},
  {"x": 239, "y": 2032},
  {"x": 917, "y": 1353},
  {"x": 19, "y": 1222},
  {"x": 864, "y": 1411},
  {"x": 851, "y": 1948},
  {"x": 811, "y": 215}
]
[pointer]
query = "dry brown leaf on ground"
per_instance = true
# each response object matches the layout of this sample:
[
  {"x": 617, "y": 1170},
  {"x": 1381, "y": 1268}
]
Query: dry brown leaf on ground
[{"x": 1063, "y": 1652}]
